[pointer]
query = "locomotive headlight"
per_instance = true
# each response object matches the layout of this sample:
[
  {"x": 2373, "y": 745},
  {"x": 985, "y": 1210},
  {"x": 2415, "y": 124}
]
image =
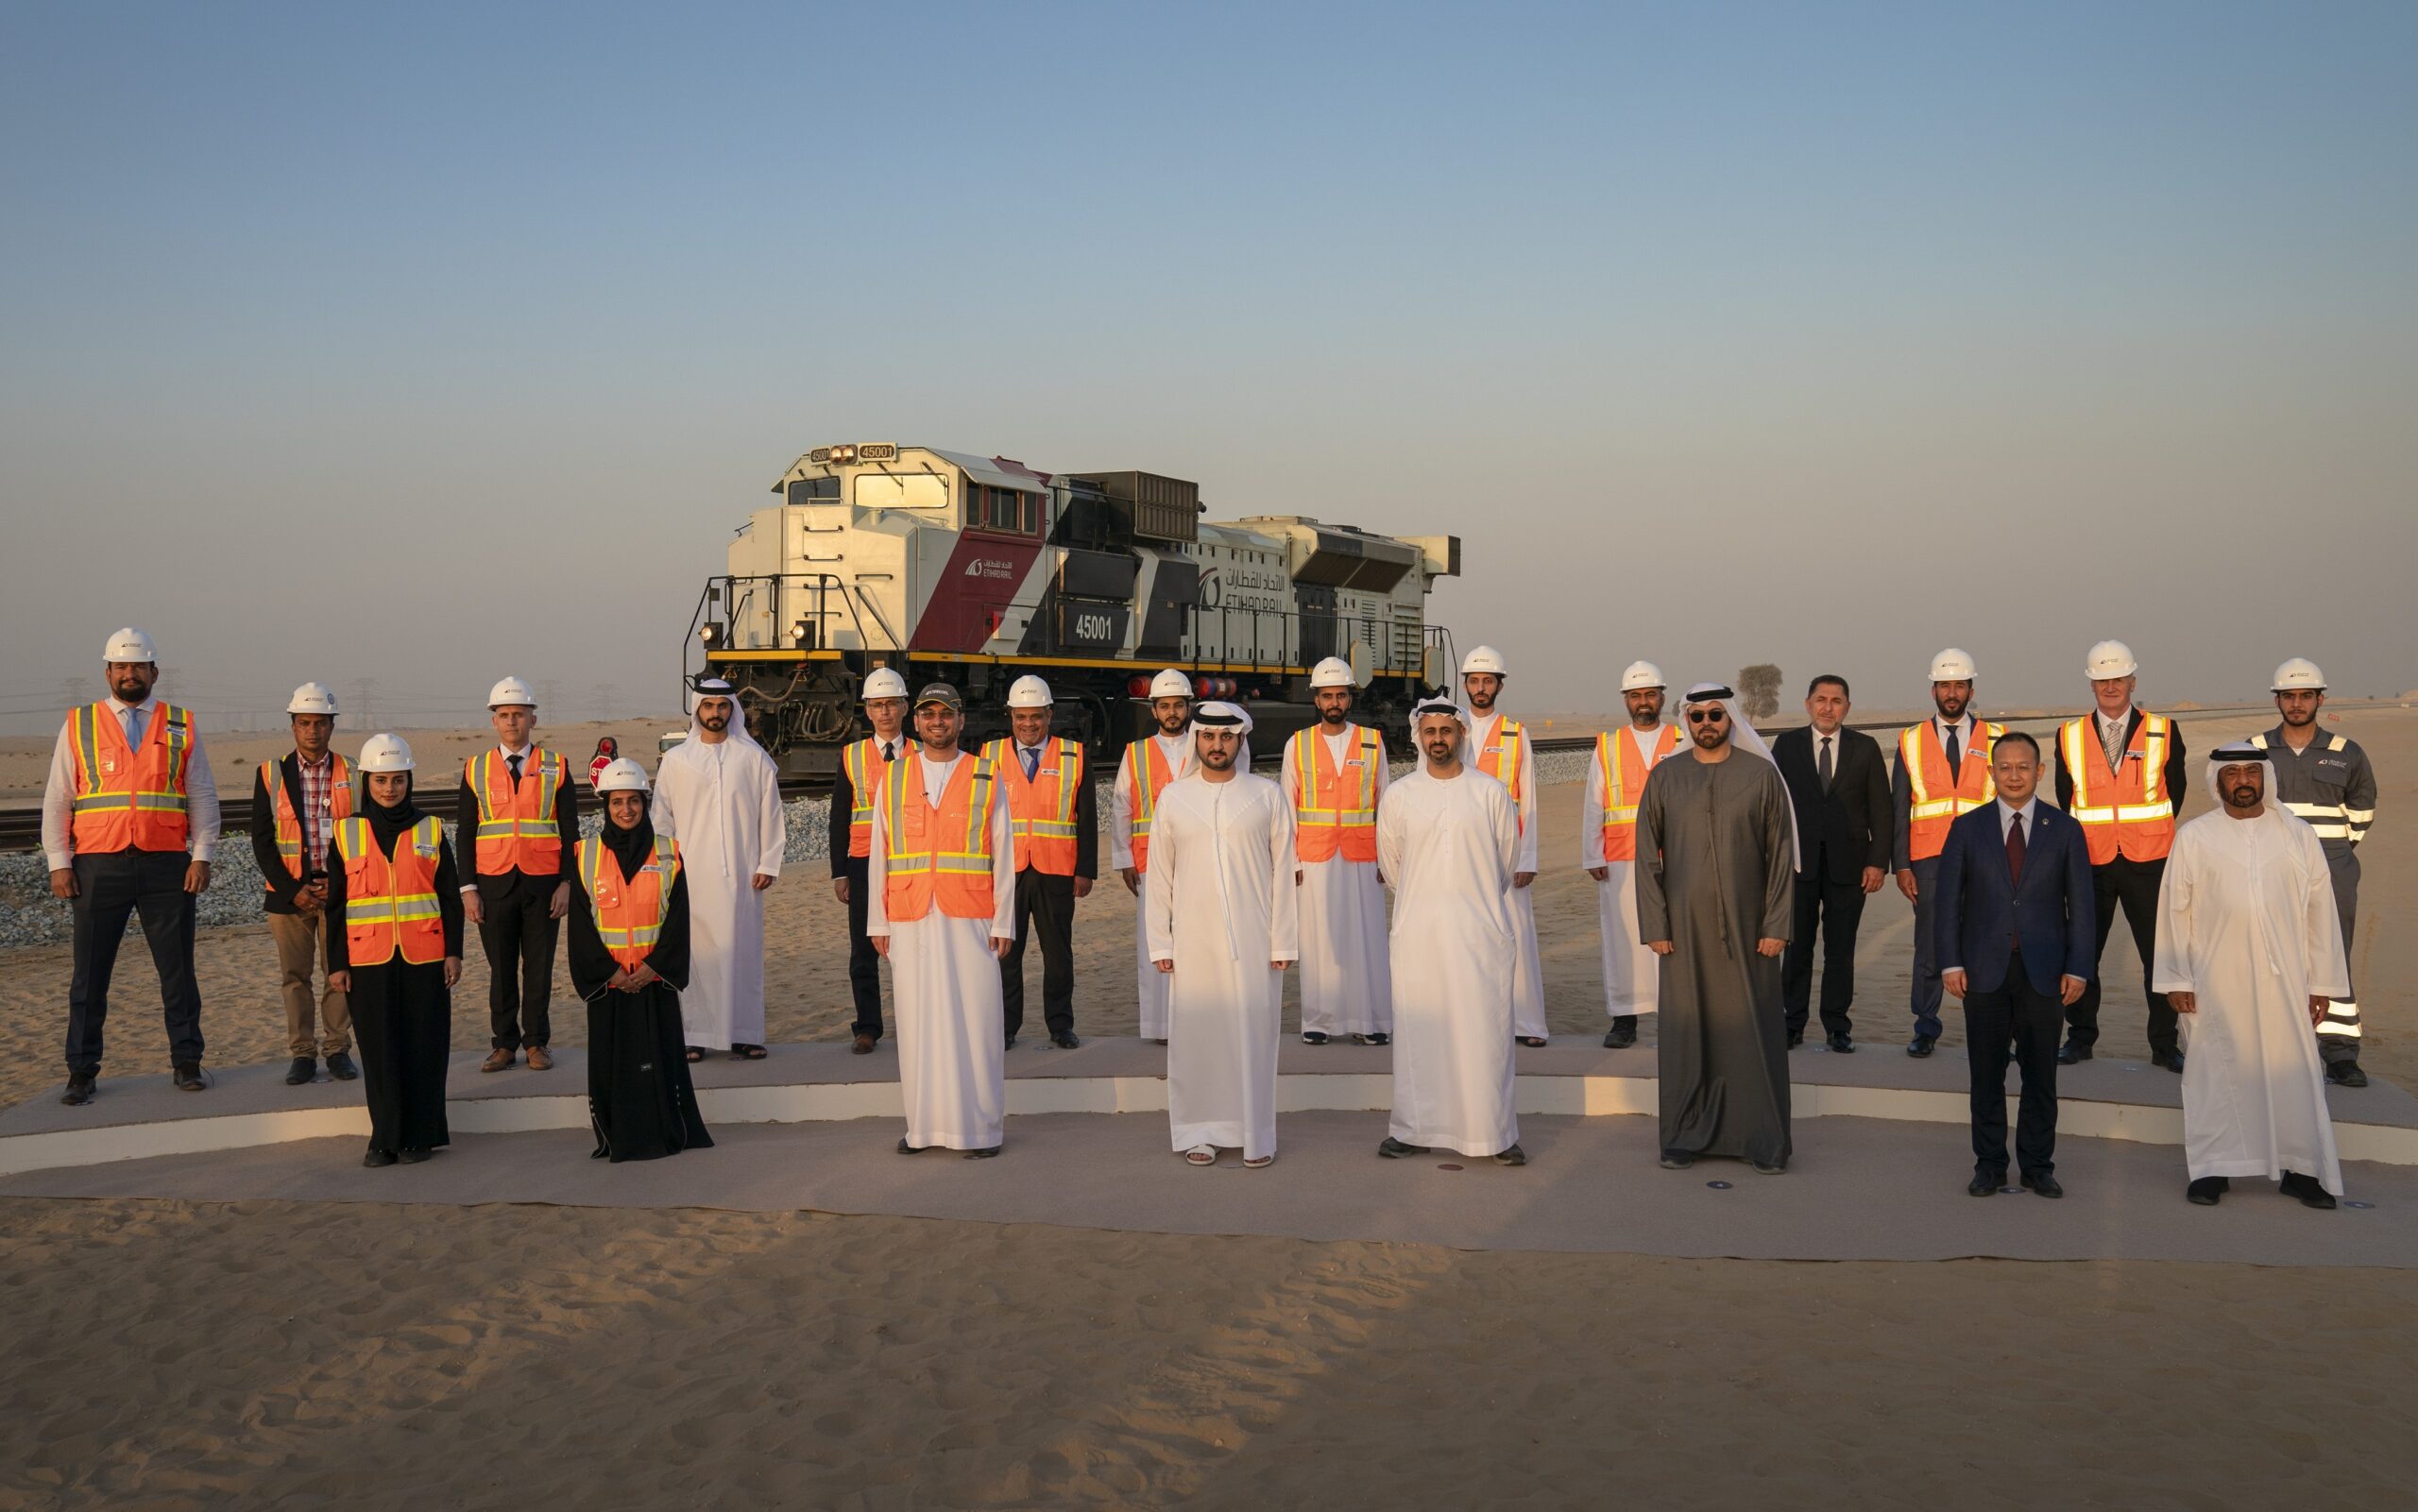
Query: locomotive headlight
[{"x": 710, "y": 634}]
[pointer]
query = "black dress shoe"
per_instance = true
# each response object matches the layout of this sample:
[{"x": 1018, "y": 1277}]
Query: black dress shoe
[
  {"x": 188, "y": 1077},
  {"x": 1011, "y": 1044},
  {"x": 2206, "y": 1190},
  {"x": 341, "y": 1067},
  {"x": 1064, "y": 1040},
  {"x": 1795, "y": 1038},
  {"x": 2306, "y": 1189},
  {"x": 1769, "y": 1167},
  {"x": 303, "y": 1070},
  {"x": 378, "y": 1158},
  {"x": 2071, "y": 1054},
  {"x": 1622, "y": 1034},
  {"x": 905, "y": 1148},
  {"x": 1514, "y": 1156},
  {"x": 2345, "y": 1073},
  {"x": 983, "y": 1154},
  {"x": 1308, "y": 1036},
  {"x": 1378, "y": 1038},
  {"x": 79, "y": 1091},
  {"x": 1678, "y": 1160},
  {"x": 1840, "y": 1044},
  {"x": 1394, "y": 1149},
  {"x": 2043, "y": 1185},
  {"x": 1985, "y": 1183},
  {"x": 2168, "y": 1060},
  {"x": 413, "y": 1157},
  {"x": 1921, "y": 1046}
]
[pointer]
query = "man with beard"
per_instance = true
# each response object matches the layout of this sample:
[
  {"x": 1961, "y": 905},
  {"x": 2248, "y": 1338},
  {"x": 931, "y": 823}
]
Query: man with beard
[
  {"x": 1142, "y": 774},
  {"x": 1608, "y": 845},
  {"x": 1943, "y": 772},
  {"x": 2326, "y": 781},
  {"x": 719, "y": 795},
  {"x": 518, "y": 805},
  {"x": 1717, "y": 843},
  {"x": 1448, "y": 838},
  {"x": 1334, "y": 774},
  {"x": 128, "y": 821},
  {"x": 1505, "y": 753},
  {"x": 856, "y": 791},
  {"x": 1223, "y": 924}
]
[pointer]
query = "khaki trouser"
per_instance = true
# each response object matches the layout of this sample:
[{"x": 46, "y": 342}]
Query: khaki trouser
[{"x": 297, "y": 937}]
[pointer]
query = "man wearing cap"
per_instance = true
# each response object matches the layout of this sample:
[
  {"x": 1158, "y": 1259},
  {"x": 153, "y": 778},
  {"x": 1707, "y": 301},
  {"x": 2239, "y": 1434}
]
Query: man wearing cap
[
  {"x": 1840, "y": 787},
  {"x": 129, "y": 818},
  {"x": 1608, "y": 845},
  {"x": 940, "y": 898},
  {"x": 1504, "y": 752},
  {"x": 1942, "y": 771},
  {"x": 1142, "y": 774},
  {"x": 296, "y": 801},
  {"x": 1056, "y": 828},
  {"x": 521, "y": 810},
  {"x": 2324, "y": 779},
  {"x": 856, "y": 788},
  {"x": 718, "y": 794},
  {"x": 2120, "y": 773},
  {"x": 1334, "y": 775}
]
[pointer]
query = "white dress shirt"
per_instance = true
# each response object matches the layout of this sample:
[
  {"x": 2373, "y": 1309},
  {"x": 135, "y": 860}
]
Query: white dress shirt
[
  {"x": 2030, "y": 813},
  {"x": 58, "y": 796}
]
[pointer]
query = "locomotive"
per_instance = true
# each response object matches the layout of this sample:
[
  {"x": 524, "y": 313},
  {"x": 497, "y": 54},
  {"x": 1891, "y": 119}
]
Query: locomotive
[{"x": 973, "y": 570}]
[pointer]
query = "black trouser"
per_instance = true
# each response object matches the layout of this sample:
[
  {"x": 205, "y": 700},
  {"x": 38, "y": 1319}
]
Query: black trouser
[
  {"x": 1048, "y": 903},
  {"x": 864, "y": 963},
  {"x": 1835, "y": 908},
  {"x": 2017, "y": 1018},
  {"x": 108, "y": 887},
  {"x": 518, "y": 936},
  {"x": 2133, "y": 886}
]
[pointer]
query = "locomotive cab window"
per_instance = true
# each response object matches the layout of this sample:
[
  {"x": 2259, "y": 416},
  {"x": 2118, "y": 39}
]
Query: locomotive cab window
[
  {"x": 902, "y": 490},
  {"x": 814, "y": 491},
  {"x": 1003, "y": 509}
]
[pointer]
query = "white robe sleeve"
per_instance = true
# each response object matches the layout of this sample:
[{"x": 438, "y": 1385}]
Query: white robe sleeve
[
  {"x": 664, "y": 812},
  {"x": 2329, "y": 971},
  {"x": 1518, "y": 840},
  {"x": 1528, "y": 836},
  {"x": 1003, "y": 869},
  {"x": 2170, "y": 968},
  {"x": 1120, "y": 815},
  {"x": 1285, "y": 925},
  {"x": 1390, "y": 834},
  {"x": 877, "y": 875},
  {"x": 772, "y": 832},
  {"x": 1158, "y": 899},
  {"x": 1591, "y": 814}
]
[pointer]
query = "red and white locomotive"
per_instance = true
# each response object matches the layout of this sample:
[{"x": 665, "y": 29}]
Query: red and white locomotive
[{"x": 974, "y": 571}]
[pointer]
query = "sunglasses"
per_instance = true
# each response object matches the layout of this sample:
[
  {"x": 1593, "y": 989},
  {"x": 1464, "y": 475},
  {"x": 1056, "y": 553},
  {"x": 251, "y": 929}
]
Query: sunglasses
[{"x": 1708, "y": 716}]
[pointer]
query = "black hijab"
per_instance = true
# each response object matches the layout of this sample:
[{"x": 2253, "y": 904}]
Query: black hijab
[
  {"x": 385, "y": 823},
  {"x": 632, "y": 847}
]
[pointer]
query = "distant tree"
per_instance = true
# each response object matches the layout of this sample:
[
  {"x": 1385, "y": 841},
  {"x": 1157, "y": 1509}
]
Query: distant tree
[{"x": 1759, "y": 691}]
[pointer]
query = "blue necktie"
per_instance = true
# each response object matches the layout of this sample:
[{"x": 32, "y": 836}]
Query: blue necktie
[
  {"x": 134, "y": 728},
  {"x": 1032, "y": 755}
]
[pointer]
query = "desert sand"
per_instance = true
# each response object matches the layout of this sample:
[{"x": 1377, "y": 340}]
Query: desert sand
[{"x": 166, "y": 1354}]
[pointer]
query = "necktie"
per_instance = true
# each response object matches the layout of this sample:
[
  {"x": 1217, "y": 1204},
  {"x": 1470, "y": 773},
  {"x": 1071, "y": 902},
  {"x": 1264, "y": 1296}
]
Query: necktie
[
  {"x": 889, "y": 751},
  {"x": 2111, "y": 739},
  {"x": 134, "y": 726},
  {"x": 1032, "y": 755},
  {"x": 2015, "y": 847},
  {"x": 1826, "y": 763},
  {"x": 1955, "y": 752},
  {"x": 514, "y": 762}
]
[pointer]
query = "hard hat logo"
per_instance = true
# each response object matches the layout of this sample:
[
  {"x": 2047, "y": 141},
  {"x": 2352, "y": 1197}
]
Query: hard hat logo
[{"x": 129, "y": 645}]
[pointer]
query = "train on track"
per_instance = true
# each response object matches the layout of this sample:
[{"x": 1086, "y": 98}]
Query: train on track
[{"x": 974, "y": 571}]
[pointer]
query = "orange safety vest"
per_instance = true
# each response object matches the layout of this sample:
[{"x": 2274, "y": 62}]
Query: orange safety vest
[
  {"x": 1334, "y": 807},
  {"x": 866, "y": 768},
  {"x": 1144, "y": 788},
  {"x": 1937, "y": 795},
  {"x": 390, "y": 901},
  {"x": 1041, "y": 812},
  {"x": 129, "y": 800},
  {"x": 1505, "y": 752},
  {"x": 289, "y": 823},
  {"x": 516, "y": 829},
  {"x": 1624, "y": 779},
  {"x": 940, "y": 855},
  {"x": 628, "y": 909},
  {"x": 2126, "y": 813}
]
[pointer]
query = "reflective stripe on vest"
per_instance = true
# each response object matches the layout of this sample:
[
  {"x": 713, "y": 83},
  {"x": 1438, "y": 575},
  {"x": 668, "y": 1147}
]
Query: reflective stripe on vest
[
  {"x": 289, "y": 823},
  {"x": 1143, "y": 786},
  {"x": 126, "y": 799},
  {"x": 866, "y": 768},
  {"x": 2335, "y": 821},
  {"x": 1936, "y": 794},
  {"x": 390, "y": 901},
  {"x": 1504, "y": 750},
  {"x": 1616, "y": 761},
  {"x": 1326, "y": 817},
  {"x": 1041, "y": 812},
  {"x": 2128, "y": 814},
  {"x": 628, "y": 909},
  {"x": 940, "y": 855},
  {"x": 516, "y": 829}
]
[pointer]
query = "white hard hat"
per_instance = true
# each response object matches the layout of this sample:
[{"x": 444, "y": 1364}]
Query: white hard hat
[
  {"x": 130, "y": 644},
  {"x": 1333, "y": 673},
  {"x": 511, "y": 690},
  {"x": 2110, "y": 659},
  {"x": 1029, "y": 693},
  {"x": 1952, "y": 666},
  {"x": 1640, "y": 676},
  {"x": 1170, "y": 684},
  {"x": 1485, "y": 659},
  {"x": 384, "y": 753},
  {"x": 883, "y": 682},
  {"x": 622, "y": 774},
  {"x": 2299, "y": 672},
  {"x": 311, "y": 698}
]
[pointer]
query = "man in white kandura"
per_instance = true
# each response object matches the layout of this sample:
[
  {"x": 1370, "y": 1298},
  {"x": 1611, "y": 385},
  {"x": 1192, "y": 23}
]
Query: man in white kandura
[
  {"x": 1448, "y": 840},
  {"x": 1335, "y": 772},
  {"x": 1143, "y": 774},
  {"x": 1607, "y": 846},
  {"x": 1222, "y": 925},
  {"x": 2250, "y": 953},
  {"x": 940, "y": 907},
  {"x": 719, "y": 795},
  {"x": 1503, "y": 751}
]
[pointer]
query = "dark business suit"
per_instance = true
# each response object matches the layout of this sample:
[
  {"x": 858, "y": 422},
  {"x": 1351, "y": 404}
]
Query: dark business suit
[
  {"x": 2015, "y": 938},
  {"x": 1841, "y": 828},
  {"x": 864, "y": 963},
  {"x": 2132, "y": 886},
  {"x": 520, "y": 931}
]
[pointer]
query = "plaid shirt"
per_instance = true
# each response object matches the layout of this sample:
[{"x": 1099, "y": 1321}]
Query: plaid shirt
[{"x": 317, "y": 804}]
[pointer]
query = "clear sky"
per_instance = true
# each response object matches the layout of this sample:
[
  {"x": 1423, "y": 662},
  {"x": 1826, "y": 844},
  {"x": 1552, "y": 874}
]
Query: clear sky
[{"x": 424, "y": 342}]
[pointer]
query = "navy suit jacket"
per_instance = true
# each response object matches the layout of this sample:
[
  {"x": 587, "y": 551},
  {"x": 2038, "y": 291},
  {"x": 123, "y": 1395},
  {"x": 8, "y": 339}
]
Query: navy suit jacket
[{"x": 1981, "y": 913}]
